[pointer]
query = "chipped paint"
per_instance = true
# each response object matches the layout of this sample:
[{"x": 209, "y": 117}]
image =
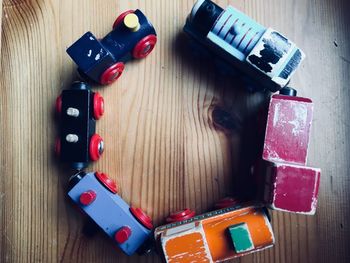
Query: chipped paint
[
  {"x": 272, "y": 154},
  {"x": 275, "y": 56},
  {"x": 270, "y": 52},
  {"x": 98, "y": 56},
  {"x": 288, "y": 129},
  {"x": 276, "y": 115},
  {"x": 193, "y": 248},
  {"x": 211, "y": 235},
  {"x": 299, "y": 123},
  {"x": 295, "y": 189},
  {"x": 290, "y": 185}
]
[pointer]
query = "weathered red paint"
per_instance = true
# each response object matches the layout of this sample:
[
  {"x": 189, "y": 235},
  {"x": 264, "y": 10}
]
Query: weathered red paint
[
  {"x": 294, "y": 188},
  {"x": 288, "y": 129},
  {"x": 290, "y": 185}
]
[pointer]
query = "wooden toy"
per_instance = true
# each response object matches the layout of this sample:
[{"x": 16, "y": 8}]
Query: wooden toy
[
  {"x": 216, "y": 236},
  {"x": 96, "y": 194},
  {"x": 78, "y": 108},
  {"x": 289, "y": 185},
  {"x": 262, "y": 54},
  {"x": 102, "y": 60}
]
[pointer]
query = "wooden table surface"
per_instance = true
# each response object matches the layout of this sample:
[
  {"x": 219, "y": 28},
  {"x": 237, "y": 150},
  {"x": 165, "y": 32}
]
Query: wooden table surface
[{"x": 161, "y": 145}]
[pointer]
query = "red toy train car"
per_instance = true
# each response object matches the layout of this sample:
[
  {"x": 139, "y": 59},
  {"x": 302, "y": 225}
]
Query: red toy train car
[{"x": 288, "y": 184}]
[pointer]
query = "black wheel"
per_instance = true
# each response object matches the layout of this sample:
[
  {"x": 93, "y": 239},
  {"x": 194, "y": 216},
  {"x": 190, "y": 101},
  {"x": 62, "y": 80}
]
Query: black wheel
[
  {"x": 288, "y": 91},
  {"x": 147, "y": 247},
  {"x": 80, "y": 85},
  {"x": 75, "y": 179}
]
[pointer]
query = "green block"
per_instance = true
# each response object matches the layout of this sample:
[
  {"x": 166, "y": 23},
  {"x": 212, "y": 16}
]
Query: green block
[{"x": 241, "y": 238}]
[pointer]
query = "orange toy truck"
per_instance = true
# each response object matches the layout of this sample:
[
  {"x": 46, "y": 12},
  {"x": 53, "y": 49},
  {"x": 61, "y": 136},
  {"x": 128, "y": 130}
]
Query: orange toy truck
[{"x": 216, "y": 236}]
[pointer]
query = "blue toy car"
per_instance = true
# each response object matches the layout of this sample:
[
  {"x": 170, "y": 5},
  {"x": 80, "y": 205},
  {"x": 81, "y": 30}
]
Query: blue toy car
[
  {"x": 263, "y": 54},
  {"x": 102, "y": 61},
  {"x": 96, "y": 194}
]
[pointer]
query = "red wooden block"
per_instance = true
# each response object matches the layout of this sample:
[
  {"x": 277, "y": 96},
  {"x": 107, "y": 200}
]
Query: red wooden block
[
  {"x": 288, "y": 129},
  {"x": 292, "y": 188},
  {"x": 290, "y": 185}
]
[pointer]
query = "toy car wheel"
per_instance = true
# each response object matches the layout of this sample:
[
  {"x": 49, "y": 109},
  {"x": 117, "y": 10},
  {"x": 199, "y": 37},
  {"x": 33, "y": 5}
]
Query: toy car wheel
[
  {"x": 74, "y": 179},
  {"x": 288, "y": 91},
  {"x": 112, "y": 73},
  {"x": 58, "y": 105},
  {"x": 122, "y": 234},
  {"x": 180, "y": 215},
  {"x": 144, "y": 47},
  {"x": 98, "y": 106},
  {"x": 142, "y": 217},
  {"x": 226, "y": 202},
  {"x": 107, "y": 182},
  {"x": 58, "y": 147},
  {"x": 87, "y": 198},
  {"x": 96, "y": 147},
  {"x": 120, "y": 18}
]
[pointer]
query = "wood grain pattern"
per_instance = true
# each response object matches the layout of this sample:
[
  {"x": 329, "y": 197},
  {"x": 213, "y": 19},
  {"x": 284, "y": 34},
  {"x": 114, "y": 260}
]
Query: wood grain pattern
[{"x": 161, "y": 145}]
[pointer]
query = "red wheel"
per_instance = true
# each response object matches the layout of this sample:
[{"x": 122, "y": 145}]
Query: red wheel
[
  {"x": 99, "y": 108},
  {"x": 142, "y": 217},
  {"x": 107, "y": 182},
  {"x": 180, "y": 215},
  {"x": 122, "y": 234},
  {"x": 58, "y": 147},
  {"x": 87, "y": 197},
  {"x": 58, "y": 105},
  {"x": 144, "y": 46},
  {"x": 120, "y": 18},
  {"x": 226, "y": 202},
  {"x": 112, "y": 73},
  {"x": 96, "y": 147}
]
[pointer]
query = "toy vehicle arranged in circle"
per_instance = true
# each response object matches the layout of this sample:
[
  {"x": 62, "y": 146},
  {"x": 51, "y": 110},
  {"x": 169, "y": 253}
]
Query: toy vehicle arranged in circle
[
  {"x": 102, "y": 60},
  {"x": 229, "y": 232},
  {"x": 260, "y": 53},
  {"x": 286, "y": 182},
  {"x": 96, "y": 194},
  {"x": 78, "y": 108}
]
